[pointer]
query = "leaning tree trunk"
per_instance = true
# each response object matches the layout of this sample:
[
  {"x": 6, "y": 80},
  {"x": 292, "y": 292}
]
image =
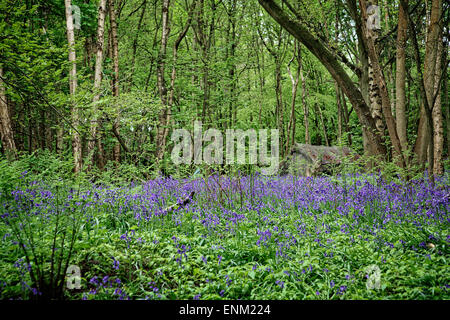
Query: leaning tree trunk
[
  {"x": 332, "y": 64},
  {"x": 76, "y": 139}
]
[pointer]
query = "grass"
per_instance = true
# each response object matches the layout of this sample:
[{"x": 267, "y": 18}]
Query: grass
[{"x": 237, "y": 238}]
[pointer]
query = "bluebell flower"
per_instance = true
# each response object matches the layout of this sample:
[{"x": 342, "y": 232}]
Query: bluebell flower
[{"x": 115, "y": 264}]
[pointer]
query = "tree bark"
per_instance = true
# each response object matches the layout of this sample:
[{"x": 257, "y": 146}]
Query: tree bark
[
  {"x": 161, "y": 82},
  {"x": 304, "y": 102},
  {"x": 432, "y": 37},
  {"x": 6, "y": 132},
  {"x": 438, "y": 121},
  {"x": 76, "y": 139},
  {"x": 115, "y": 82},
  {"x": 400, "y": 79},
  {"x": 291, "y": 127},
  {"x": 369, "y": 38},
  {"x": 445, "y": 99},
  {"x": 97, "y": 79},
  {"x": 375, "y": 94}
]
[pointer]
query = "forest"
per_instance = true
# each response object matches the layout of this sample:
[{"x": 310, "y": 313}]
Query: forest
[{"x": 98, "y": 98}]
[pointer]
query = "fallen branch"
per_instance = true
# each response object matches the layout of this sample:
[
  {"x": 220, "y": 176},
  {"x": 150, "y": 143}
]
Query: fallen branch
[{"x": 180, "y": 204}]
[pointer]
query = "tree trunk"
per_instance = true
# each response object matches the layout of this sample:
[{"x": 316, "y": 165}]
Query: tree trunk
[
  {"x": 291, "y": 127},
  {"x": 322, "y": 123},
  {"x": 339, "y": 119},
  {"x": 369, "y": 39},
  {"x": 97, "y": 79},
  {"x": 346, "y": 117},
  {"x": 6, "y": 132},
  {"x": 438, "y": 122},
  {"x": 429, "y": 76},
  {"x": 445, "y": 100},
  {"x": 304, "y": 102},
  {"x": 76, "y": 139},
  {"x": 279, "y": 95},
  {"x": 400, "y": 83},
  {"x": 115, "y": 82},
  {"x": 161, "y": 82},
  {"x": 135, "y": 43},
  {"x": 375, "y": 99}
]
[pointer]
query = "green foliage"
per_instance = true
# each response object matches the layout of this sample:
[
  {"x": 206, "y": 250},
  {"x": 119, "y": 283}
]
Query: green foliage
[
  {"x": 45, "y": 238},
  {"x": 39, "y": 166},
  {"x": 179, "y": 256}
]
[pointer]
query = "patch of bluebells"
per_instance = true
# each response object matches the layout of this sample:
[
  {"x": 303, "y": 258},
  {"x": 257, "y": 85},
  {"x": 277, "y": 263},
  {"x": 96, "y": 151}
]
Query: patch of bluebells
[
  {"x": 341, "y": 290},
  {"x": 155, "y": 292},
  {"x": 106, "y": 286},
  {"x": 182, "y": 251},
  {"x": 415, "y": 204}
]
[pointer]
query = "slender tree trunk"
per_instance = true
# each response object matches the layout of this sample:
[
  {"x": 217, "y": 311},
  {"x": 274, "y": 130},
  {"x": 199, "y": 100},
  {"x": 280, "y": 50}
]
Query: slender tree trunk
[
  {"x": 304, "y": 102},
  {"x": 168, "y": 113},
  {"x": 291, "y": 127},
  {"x": 438, "y": 122},
  {"x": 400, "y": 80},
  {"x": 445, "y": 105},
  {"x": 76, "y": 139},
  {"x": 6, "y": 132},
  {"x": 135, "y": 43},
  {"x": 340, "y": 112},
  {"x": 97, "y": 79},
  {"x": 346, "y": 117},
  {"x": 232, "y": 67},
  {"x": 101, "y": 161},
  {"x": 261, "y": 82},
  {"x": 336, "y": 86},
  {"x": 115, "y": 82},
  {"x": 161, "y": 82},
  {"x": 429, "y": 75},
  {"x": 279, "y": 95},
  {"x": 322, "y": 123}
]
